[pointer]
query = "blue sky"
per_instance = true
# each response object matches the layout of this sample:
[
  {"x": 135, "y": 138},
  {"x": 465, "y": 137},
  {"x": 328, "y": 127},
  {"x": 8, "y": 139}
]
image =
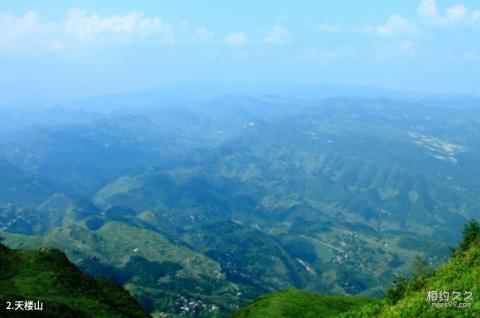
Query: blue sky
[{"x": 52, "y": 51}]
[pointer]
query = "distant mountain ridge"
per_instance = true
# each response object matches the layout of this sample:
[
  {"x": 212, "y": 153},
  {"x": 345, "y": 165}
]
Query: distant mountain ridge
[{"x": 256, "y": 194}]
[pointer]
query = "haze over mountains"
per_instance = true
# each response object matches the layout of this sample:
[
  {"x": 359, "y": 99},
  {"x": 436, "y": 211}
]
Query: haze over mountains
[{"x": 197, "y": 207}]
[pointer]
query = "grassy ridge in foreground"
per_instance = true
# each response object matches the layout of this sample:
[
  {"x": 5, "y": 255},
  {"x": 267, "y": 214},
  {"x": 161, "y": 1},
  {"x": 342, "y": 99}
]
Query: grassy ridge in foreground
[
  {"x": 460, "y": 274},
  {"x": 296, "y": 303},
  {"x": 46, "y": 275},
  {"x": 406, "y": 298}
]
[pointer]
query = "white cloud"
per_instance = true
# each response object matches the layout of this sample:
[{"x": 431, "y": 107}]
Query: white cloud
[
  {"x": 329, "y": 28},
  {"x": 236, "y": 39},
  {"x": 427, "y": 9},
  {"x": 395, "y": 26},
  {"x": 203, "y": 34},
  {"x": 277, "y": 35},
  {"x": 24, "y": 34},
  {"x": 457, "y": 14},
  {"x": 89, "y": 27}
]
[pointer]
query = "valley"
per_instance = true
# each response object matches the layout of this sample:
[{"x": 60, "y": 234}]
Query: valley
[{"x": 198, "y": 210}]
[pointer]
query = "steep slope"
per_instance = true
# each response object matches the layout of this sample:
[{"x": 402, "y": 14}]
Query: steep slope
[
  {"x": 353, "y": 188},
  {"x": 196, "y": 209},
  {"x": 46, "y": 275},
  {"x": 163, "y": 276},
  {"x": 337, "y": 198},
  {"x": 449, "y": 291}
]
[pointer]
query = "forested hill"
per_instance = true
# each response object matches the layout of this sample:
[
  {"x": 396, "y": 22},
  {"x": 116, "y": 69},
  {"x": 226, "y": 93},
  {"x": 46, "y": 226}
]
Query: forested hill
[
  {"x": 199, "y": 210},
  {"x": 47, "y": 278},
  {"x": 451, "y": 290}
]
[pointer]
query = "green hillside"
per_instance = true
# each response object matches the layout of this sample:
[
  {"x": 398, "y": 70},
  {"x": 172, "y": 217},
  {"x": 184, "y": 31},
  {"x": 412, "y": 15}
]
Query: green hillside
[
  {"x": 46, "y": 275},
  {"x": 426, "y": 293},
  {"x": 352, "y": 191},
  {"x": 295, "y": 303},
  {"x": 199, "y": 211},
  {"x": 153, "y": 269},
  {"x": 451, "y": 290}
]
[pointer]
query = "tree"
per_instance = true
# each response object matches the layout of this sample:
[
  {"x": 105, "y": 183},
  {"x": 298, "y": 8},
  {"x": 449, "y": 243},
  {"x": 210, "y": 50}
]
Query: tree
[
  {"x": 397, "y": 290},
  {"x": 419, "y": 272},
  {"x": 421, "y": 267},
  {"x": 471, "y": 232}
]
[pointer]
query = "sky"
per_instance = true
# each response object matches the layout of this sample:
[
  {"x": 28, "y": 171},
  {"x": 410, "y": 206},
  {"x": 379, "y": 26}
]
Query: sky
[{"x": 51, "y": 50}]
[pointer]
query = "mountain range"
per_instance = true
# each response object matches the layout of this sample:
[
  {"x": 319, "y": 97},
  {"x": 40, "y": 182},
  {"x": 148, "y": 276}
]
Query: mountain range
[{"x": 199, "y": 209}]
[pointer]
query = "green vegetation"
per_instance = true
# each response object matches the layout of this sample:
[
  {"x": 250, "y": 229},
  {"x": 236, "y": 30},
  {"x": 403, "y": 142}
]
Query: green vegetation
[
  {"x": 47, "y": 276},
  {"x": 200, "y": 210},
  {"x": 471, "y": 232},
  {"x": 295, "y": 303},
  {"x": 449, "y": 285},
  {"x": 162, "y": 276},
  {"x": 406, "y": 298}
]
